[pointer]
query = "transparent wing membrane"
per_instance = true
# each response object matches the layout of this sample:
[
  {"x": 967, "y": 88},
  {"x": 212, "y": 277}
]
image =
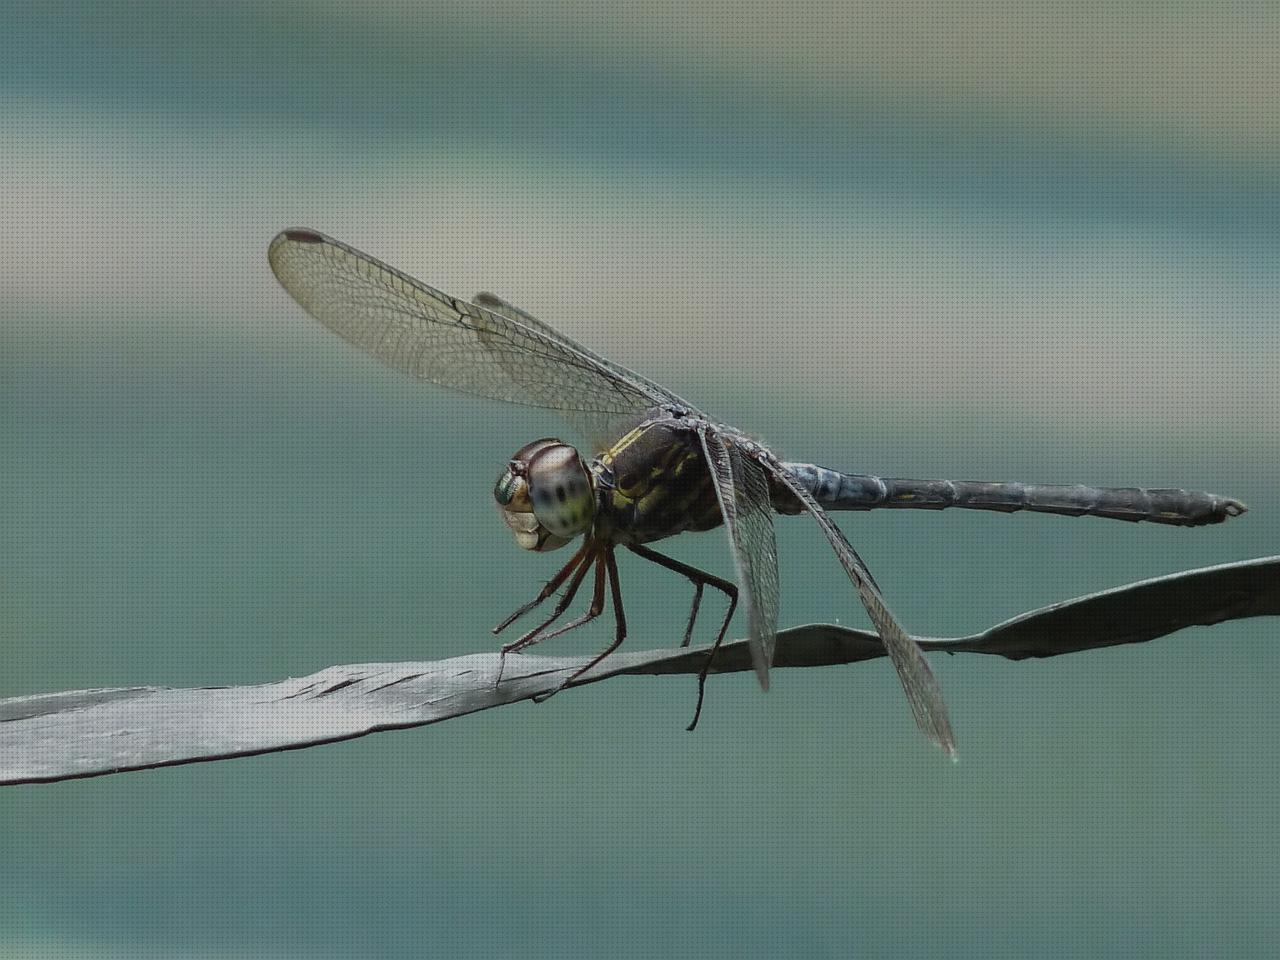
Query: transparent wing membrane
[
  {"x": 742, "y": 488},
  {"x": 918, "y": 681},
  {"x": 471, "y": 348}
]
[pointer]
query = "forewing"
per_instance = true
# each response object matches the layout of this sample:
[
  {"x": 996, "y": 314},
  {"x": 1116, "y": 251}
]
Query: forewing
[
  {"x": 742, "y": 487},
  {"x": 505, "y": 308},
  {"x": 918, "y": 681},
  {"x": 416, "y": 329}
]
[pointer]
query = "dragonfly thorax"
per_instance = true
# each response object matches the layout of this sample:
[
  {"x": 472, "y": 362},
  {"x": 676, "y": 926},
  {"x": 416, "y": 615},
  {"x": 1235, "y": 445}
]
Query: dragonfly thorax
[{"x": 545, "y": 495}]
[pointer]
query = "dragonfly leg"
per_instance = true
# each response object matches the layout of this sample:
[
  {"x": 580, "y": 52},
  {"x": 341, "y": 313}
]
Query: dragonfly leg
[
  {"x": 706, "y": 667},
  {"x": 547, "y": 590},
  {"x": 693, "y": 613},
  {"x": 582, "y": 562},
  {"x": 593, "y": 611},
  {"x": 699, "y": 578},
  {"x": 620, "y": 622}
]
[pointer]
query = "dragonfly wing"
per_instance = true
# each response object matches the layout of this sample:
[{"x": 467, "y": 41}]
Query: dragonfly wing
[
  {"x": 416, "y": 329},
  {"x": 602, "y": 428},
  {"x": 742, "y": 488},
  {"x": 918, "y": 681},
  {"x": 509, "y": 310}
]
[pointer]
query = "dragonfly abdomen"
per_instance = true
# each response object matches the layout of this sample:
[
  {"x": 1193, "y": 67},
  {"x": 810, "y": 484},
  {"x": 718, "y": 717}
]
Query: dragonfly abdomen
[{"x": 1184, "y": 508}]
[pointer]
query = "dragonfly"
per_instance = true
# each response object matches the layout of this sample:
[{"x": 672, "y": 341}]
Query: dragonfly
[{"x": 657, "y": 466}]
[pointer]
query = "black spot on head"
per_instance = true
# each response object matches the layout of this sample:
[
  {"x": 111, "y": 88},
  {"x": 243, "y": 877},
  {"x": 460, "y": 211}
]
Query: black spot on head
[{"x": 560, "y": 493}]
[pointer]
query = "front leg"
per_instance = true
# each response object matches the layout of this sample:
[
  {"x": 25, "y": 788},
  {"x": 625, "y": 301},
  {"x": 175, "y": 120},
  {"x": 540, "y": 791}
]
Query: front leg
[
  {"x": 534, "y": 635},
  {"x": 593, "y": 611},
  {"x": 550, "y": 587},
  {"x": 583, "y": 560},
  {"x": 620, "y": 623}
]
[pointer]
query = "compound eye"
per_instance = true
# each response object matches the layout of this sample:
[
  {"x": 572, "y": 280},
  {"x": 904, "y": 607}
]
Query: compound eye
[
  {"x": 560, "y": 489},
  {"x": 512, "y": 491}
]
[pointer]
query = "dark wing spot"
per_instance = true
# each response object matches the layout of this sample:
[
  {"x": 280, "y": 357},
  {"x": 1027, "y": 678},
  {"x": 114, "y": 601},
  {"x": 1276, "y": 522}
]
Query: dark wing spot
[
  {"x": 560, "y": 493},
  {"x": 304, "y": 236}
]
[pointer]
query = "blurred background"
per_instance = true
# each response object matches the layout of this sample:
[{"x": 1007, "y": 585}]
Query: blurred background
[{"x": 985, "y": 240}]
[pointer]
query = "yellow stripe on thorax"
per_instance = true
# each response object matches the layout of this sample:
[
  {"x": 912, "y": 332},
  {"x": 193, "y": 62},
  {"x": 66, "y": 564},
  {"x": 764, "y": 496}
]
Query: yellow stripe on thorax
[{"x": 622, "y": 443}]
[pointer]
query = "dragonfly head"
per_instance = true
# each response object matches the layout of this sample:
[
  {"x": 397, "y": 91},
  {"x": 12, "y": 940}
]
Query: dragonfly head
[{"x": 545, "y": 495}]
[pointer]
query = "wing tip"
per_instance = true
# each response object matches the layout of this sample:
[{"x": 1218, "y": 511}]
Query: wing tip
[
  {"x": 294, "y": 235},
  {"x": 760, "y": 660},
  {"x": 944, "y": 738}
]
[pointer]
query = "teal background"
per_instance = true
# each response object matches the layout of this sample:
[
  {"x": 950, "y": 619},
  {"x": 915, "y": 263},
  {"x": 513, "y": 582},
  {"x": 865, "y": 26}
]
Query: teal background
[{"x": 967, "y": 240}]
